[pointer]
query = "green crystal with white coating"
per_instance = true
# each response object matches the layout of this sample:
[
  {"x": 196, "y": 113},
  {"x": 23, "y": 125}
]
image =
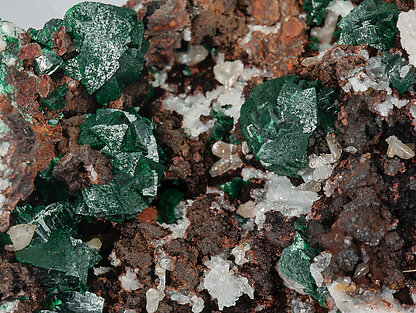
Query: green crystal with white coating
[
  {"x": 279, "y": 117},
  {"x": 372, "y": 23},
  {"x": 110, "y": 43},
  {"x": 61, "y": 253},
  {"x": 315, "y": 11},
  {"x": 127, "y": 140}
]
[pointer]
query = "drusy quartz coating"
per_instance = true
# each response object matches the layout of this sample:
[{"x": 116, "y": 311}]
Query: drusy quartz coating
[
  {"x": 110, "y": 43},
  {"x": 279, "y": 117},
  {"x": 127, "y": 140},
  {"x": 372, "y": 23},
  {"x": 296, "y": 260}
]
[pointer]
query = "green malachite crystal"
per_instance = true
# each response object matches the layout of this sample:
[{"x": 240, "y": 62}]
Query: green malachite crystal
[
  {"x": 233, "y": 187},
  {"x": 56, "y": 100},
  {"x": 372, "y": 23},
  {"x": 110, "y": 43},
  {"x": 168, "y": 200},
  {"x": 279, "y": 117},
  {"x": 315, "y": 11},
  {"x": 44, "y": 36},
  {"x": 127, "y": 140},
  {"x": 401, "y": 74},
  {"x": 61, "y": 253},
  {"x": 223, "y": 125},
  {"x": 296, "y": 260}
]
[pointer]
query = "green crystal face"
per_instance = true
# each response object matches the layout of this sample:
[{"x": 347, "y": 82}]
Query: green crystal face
[
  {"x": 315, "y": 11},
  {"x": 127, "y": 140},
  {"x": 47, "y": 63},
  {"x": 54, "y": 217},
  {"x": 63, "y": 254},
  {"x": 75, "y": 302},
  {"x": 223, "y": 125},
  {"x": 296, "y": 260},
  {"x": 279, "y": 117},
  {"x": 44, "y": 36},
  {"x": 168, "y": 200},
  {"x": 401, "y": 74},
  {"x": 233, "y": 187},
  {"x": 372, "y": 23},
  {"x": 56, "y": 100},
  {"x": 109, "y": 40}
]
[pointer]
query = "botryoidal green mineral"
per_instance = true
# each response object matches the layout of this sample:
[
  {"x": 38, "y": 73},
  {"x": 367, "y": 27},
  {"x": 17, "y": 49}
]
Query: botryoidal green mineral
[
  {"x": 296, "y": 260},
  {"x": 372, "y": 23},
  {"x": 280, "y": 115},
  {"x": 127, "y": 140}
]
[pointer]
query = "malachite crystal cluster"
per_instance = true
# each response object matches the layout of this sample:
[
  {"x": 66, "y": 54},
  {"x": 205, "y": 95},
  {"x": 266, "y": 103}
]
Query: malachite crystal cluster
[
  {"x": 279, "y": 117},
  {"x": 372, "y": 23},
  {"x": 315, "y": 11},
  {"x": 127, "y": 140},
  {"x": 296, "y": 260},
  {"x": 110, "y": 46}
]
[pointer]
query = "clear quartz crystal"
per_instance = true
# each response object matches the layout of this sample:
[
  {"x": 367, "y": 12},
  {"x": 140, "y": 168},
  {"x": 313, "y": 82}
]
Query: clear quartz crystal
[{"x": 20, "y": 235}]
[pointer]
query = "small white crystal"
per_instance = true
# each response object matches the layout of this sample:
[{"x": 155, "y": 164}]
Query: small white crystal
[
  {"x": 114, "y": 261},
  {"x": 247, "y": 210},
  {"x": 100, "y": 270},
  {"x": 349, "y": 298},
  {"x": 20, "y": 235},
  {"x": 192, "y": 56},
  {"x": 396, "y": 147},
  {"x": 223, "y": 284},
  {"x": 227, "y": 73},
  {"x": 9, "y": 307},
  {"x": 239, "y": 253},
  {"x": 153, "y": 298},
  {"x": 129, "y": 280},
  {"x": 196, "y": 302},
  {"x": 407, "y": 27},
  {"x": 279, "y": 195},
  {"x": 404, "y": 70},
  {"x": 95, "y": 243},
  {"x": 319, "y": 264}
]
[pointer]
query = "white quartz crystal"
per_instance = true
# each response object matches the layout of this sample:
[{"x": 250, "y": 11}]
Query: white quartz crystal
[
  {"x": 20, "y": 235},
  {"x": 192, "y": 56},
  {"x": 227, "y": 73},
  {"x": 239, "y": 253},
  {"x": 349, "y": 298},
  {"x": 319, "y": 264},
  {"x": 114, "y": 261},
  {"x": 153, "y": 298},
  {"x": 223, "y": 284},
  {"x": 196, "y": 302},
  {"x": 279, "y": 195},
  {"x": 407, "y": 28},
  {"x": 129, "y": 280},
  {"x": 396, "y": 147}
]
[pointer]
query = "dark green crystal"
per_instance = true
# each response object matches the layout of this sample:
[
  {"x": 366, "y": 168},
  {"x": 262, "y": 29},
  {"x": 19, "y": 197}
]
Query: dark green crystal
[
  {"x": 56, "y": 100},
  {"x": 56, "y": 216},
  {"x": 233, "y": 187},
  {"x": 394, "y": 63},
  {"x": 75, "y": 302},
  {"x": 279, "y": 117},
  {"x": 168, "y": 200},
  {"x": 315, "y": 11},
  {"x": 372, "y": 23},
  {"x": 48, "y": 62},
  {"x": 127, "y": 140},
  {"x": 296, "y": 260},
  {"x": 110, "y": 43},
  {"x": 61, "y": 253},
  {"x": 44, "y": 36},
  {"x": 223, "y": 125}
]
